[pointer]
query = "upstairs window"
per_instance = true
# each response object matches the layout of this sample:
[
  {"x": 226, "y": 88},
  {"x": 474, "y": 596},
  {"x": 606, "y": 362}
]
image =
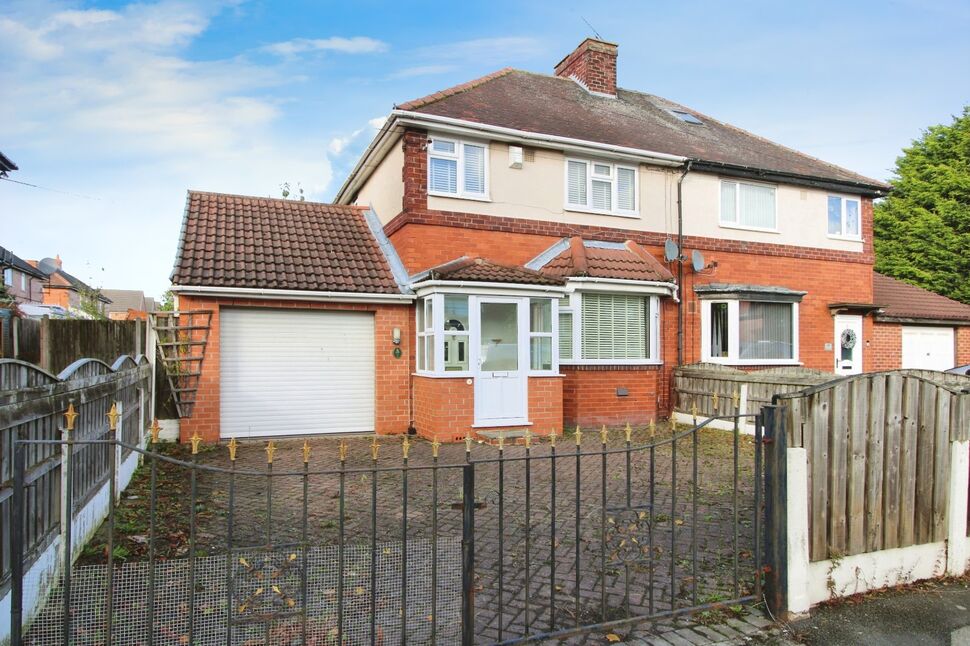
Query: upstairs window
[
  {"x": 748, "y": 206},
  {"x": 844, "y": 217},
  {"x": 457, "y": 168},
  {"x": 601, "y": 187},
  {"x": 8, "y": 276}
]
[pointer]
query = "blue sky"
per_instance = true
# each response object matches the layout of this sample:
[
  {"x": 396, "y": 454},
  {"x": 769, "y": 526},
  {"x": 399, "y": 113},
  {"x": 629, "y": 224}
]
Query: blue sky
[{"x": 121, "y": 107}]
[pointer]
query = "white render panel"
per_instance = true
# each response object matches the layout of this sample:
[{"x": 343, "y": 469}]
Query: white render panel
[
  {"x": 296, "y": 372},
  {"x": 929, "y": 348}
]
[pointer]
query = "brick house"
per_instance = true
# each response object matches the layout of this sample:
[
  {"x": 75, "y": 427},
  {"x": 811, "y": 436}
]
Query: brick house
[
  {"x": 24, "y": 282},
  {"x": 65, "y": 290},
  {"x": 550, "y": 247}
]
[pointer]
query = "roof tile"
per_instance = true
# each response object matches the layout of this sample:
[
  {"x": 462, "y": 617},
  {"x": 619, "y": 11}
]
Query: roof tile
[{"x": 902, "y": 300}]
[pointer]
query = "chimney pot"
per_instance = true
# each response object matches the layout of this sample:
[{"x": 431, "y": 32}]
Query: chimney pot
[{"x": 593, "y": 65}]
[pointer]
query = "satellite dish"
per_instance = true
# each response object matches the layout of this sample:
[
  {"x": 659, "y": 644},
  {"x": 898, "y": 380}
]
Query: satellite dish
[
  {"x": 47, "y": 265},
  {"x": 697, "y": 260},
  {"x": 671, "y": 252}
]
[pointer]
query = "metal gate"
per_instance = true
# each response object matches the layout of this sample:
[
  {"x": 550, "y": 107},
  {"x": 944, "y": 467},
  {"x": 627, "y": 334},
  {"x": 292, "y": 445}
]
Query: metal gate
[{"x": 526, "y": 539}]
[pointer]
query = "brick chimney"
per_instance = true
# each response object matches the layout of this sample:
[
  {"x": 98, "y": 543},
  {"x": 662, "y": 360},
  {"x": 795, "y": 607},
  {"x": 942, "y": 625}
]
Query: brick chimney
[{"x": 593, "y": 65}]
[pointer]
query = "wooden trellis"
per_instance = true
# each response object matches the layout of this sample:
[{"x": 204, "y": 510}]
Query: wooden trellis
[{"x": 182, "y": 338}]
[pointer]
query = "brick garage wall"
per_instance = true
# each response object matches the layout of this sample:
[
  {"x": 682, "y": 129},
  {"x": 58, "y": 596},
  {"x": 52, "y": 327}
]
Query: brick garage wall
[
  {"x": 444, "y": 408},
  {"x": 590, "y": 395},
  {"x": 886, "y": 349},
  {"x": 963, "y": 345},
  {"x": 392, "y": 410}
]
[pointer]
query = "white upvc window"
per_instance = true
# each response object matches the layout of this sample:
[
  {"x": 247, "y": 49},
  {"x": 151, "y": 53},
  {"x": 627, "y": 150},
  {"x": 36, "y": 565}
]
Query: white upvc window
[
  {"x": 457, "y": 168},
  {"x": 844, "y": 215},
  {"x": 747, "y": 205},
  {"x": 540, "y": 335},
  {"x": 8, "y": 276},
  {"x": 426, "y": 337},
  {"x": 601, "y": 187},
  {"x": 23, "y": 282},
  {"x": 747, "y": 332},
  {"x": 609, "y": 328}
]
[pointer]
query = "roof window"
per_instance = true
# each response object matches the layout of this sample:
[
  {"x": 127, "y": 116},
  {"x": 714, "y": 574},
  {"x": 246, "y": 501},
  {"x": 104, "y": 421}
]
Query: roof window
[{"x": 687, "y": 116}]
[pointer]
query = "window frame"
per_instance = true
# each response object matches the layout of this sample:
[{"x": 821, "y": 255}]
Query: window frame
[
  {"x": 614, "y": 179},
  {"x": 437, "y": 332},
  {"x": 734, "y": 333},
  {"x": 459, "y": 157},
  {"x": 737, "y": 205},
  {"x": 24, "y": 283},
  {"x": 552, "y": 335},
  {"x": 8, "y": 276},
  {"x": 576, "y": 307},
  {"x": 843, "y": 199}
]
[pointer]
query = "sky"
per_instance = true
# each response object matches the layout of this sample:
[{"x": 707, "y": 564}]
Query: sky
[{"x": 113, "y": 110}]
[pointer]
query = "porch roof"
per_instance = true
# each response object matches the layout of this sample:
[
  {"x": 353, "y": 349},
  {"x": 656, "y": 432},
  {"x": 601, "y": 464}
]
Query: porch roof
[
  {"x": 575, "y": 257},
  {"x": 481, "y": 270}
]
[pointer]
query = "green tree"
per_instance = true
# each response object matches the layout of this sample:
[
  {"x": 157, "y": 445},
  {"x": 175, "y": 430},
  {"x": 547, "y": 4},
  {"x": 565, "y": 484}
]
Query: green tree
[
  {"x": 90, "y": 303},
  {"x": 923, "y": 228},
  {"x": 168, "y": 301}
]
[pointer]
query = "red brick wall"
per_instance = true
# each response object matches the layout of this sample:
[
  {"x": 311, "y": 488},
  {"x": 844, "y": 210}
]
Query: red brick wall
[
  {"x": 445, "y": 407},
  {"x": 590, "y": 395},
  {"x": 392, "y": 410},
  {"x": 963, "y": 346},
  {"x": 886, "y": 349}
]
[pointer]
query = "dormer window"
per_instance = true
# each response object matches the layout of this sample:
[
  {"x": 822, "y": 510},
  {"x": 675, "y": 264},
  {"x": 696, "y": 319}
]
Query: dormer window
[
  {"x": 601, "y": 187},
  {"x": 457, "y": 168}
]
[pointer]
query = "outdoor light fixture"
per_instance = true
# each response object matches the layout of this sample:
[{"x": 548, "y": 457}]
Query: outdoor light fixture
[{"x": 396, "y": 336}]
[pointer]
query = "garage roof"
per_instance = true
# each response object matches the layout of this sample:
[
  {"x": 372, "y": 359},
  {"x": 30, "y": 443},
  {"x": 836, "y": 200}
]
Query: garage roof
[
  {"x": 901, "y": 300},
  {"x": 257, "y": 242}
]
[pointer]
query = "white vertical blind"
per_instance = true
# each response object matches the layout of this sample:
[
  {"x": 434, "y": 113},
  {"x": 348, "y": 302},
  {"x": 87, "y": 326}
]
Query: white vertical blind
[
  {"x": 615, "y": 326},
  {"x": 625, "y": 189},
  {"x": 474, "y": 168},
  {"x": 756, "y": 206},
  {"x": 565, "y": 335},
  {"x": 765, "y": 330},
  {"x": 576, "y": 178},
  {"x": 729, "y": 202},
  {"x": 602, "y": 195},
  {"x": 443, "y": 177}
]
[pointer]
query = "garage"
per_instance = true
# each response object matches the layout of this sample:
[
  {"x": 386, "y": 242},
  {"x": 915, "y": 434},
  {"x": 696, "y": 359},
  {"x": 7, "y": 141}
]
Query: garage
[
  {"x": 930, "y": 348},
  {"x": 295, "y": 372}
]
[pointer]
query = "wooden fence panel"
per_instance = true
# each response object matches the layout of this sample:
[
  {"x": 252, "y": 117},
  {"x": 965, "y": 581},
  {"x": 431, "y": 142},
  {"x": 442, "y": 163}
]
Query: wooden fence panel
[
  {"x": 878, "y": 450},
  {"x": 32, "y": 403}
]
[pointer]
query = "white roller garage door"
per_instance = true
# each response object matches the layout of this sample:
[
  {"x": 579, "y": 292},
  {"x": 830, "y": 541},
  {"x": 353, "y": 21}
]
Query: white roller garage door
[
  {"x": 930, "y": 348},
  {"x": 294, "y": 372}
]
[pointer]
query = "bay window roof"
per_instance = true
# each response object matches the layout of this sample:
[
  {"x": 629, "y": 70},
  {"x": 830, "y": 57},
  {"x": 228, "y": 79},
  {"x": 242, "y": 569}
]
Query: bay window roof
[
  {"x": 749, "y": 292},
  {"x": 575, "y": 258}
]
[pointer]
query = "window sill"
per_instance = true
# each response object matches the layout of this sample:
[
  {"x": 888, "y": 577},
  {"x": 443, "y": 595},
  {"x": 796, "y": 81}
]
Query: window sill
[
  {"x": 832, "y": 236},
  {"x": 741, "y": 227},
  {"x": 753, "y": 362},
  {"x": 502, "y": 424},
  {"x": 617, "y": 214},
  {"x": 611, "y": 362},
  {"x": 459, "y": 196},
  {"x": 464, "y": 374}
]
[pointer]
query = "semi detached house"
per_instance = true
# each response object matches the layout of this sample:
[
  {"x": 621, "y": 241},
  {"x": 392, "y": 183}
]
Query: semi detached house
[{"x": 496, "y": 260}]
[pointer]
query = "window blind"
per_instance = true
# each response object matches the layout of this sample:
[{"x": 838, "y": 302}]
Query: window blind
[
  {"x": 765, "y": 330},
  {"x": 625, "y": 189},
  {"x": 576, "y": 178},
  {"x": 565, "y": 335},
  {"x": 602, "y": 195},
  {"x": 756, "y": 206},
  {"x": 474, "y": 169},
  {"x": 444, "y": 175},
  {"x": 615, "y": 326}
]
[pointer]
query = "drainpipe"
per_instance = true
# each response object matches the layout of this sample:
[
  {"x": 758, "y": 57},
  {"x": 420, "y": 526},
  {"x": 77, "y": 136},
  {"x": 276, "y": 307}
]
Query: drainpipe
[{"x": 680, "y": 264}]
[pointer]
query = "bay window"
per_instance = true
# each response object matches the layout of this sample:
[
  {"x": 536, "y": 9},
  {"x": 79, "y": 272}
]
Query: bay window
[
  {"x": 843, "y": 217},
  {"x": 749, "y": 331},
  {"x": 540, "y": 334},
  {"x": 748, "y": 206},
  {"x": 565, "y": 330},
  {"x": 457, "y": 168},
  {"x": 456, "y": 332},
  {"x": 601, "y": 187}
]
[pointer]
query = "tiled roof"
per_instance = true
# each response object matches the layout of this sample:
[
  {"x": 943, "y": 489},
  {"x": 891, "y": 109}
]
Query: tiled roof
[
  {"x": 123, "y": 300},
  {"x": 60, "y": 279},
  {"x": 902, "y": 300},
  {"x": 481, "y": 270},
  {"x": 256, "y": 242},
  {"x": 10, "y": 259},
  {"x": 624, "y": 261},
  {"x": 551, "y": 105}
]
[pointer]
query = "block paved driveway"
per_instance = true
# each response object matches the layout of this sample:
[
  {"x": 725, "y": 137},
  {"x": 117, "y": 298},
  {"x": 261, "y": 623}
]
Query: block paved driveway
[{"x": 632, "y": 581}]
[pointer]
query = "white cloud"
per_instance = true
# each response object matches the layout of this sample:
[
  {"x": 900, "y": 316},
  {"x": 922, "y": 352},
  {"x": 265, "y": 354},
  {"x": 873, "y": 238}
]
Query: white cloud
[
  {"x": 499, "y": 50},
  {"x": 355, "y": 45},
  {"x": 422, "y": 70},
  {"x": 338, "y": 145}
]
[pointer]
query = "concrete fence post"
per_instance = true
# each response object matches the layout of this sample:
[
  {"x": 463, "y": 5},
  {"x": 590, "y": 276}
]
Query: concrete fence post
[
  {"x": 797, "y": 512},
  {"x": 959, "y": 480},
  {"x": 45, "y": 344}
]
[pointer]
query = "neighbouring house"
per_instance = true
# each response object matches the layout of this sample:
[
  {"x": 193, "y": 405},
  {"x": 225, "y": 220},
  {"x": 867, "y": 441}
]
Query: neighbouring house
[
  {"x": 532, "y": 251},
  {"x": 63, "y": 290},
  {"x": 24, "y": 282},
  {"x": 127, "y": 304},
  {"x": 917, "y": 328}
]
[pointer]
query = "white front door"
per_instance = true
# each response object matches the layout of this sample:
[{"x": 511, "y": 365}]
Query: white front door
[
  {"x": 500, "y": 361},
  {"x": 930, "y": 348},
  {"x": 848, "y": 344}
]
